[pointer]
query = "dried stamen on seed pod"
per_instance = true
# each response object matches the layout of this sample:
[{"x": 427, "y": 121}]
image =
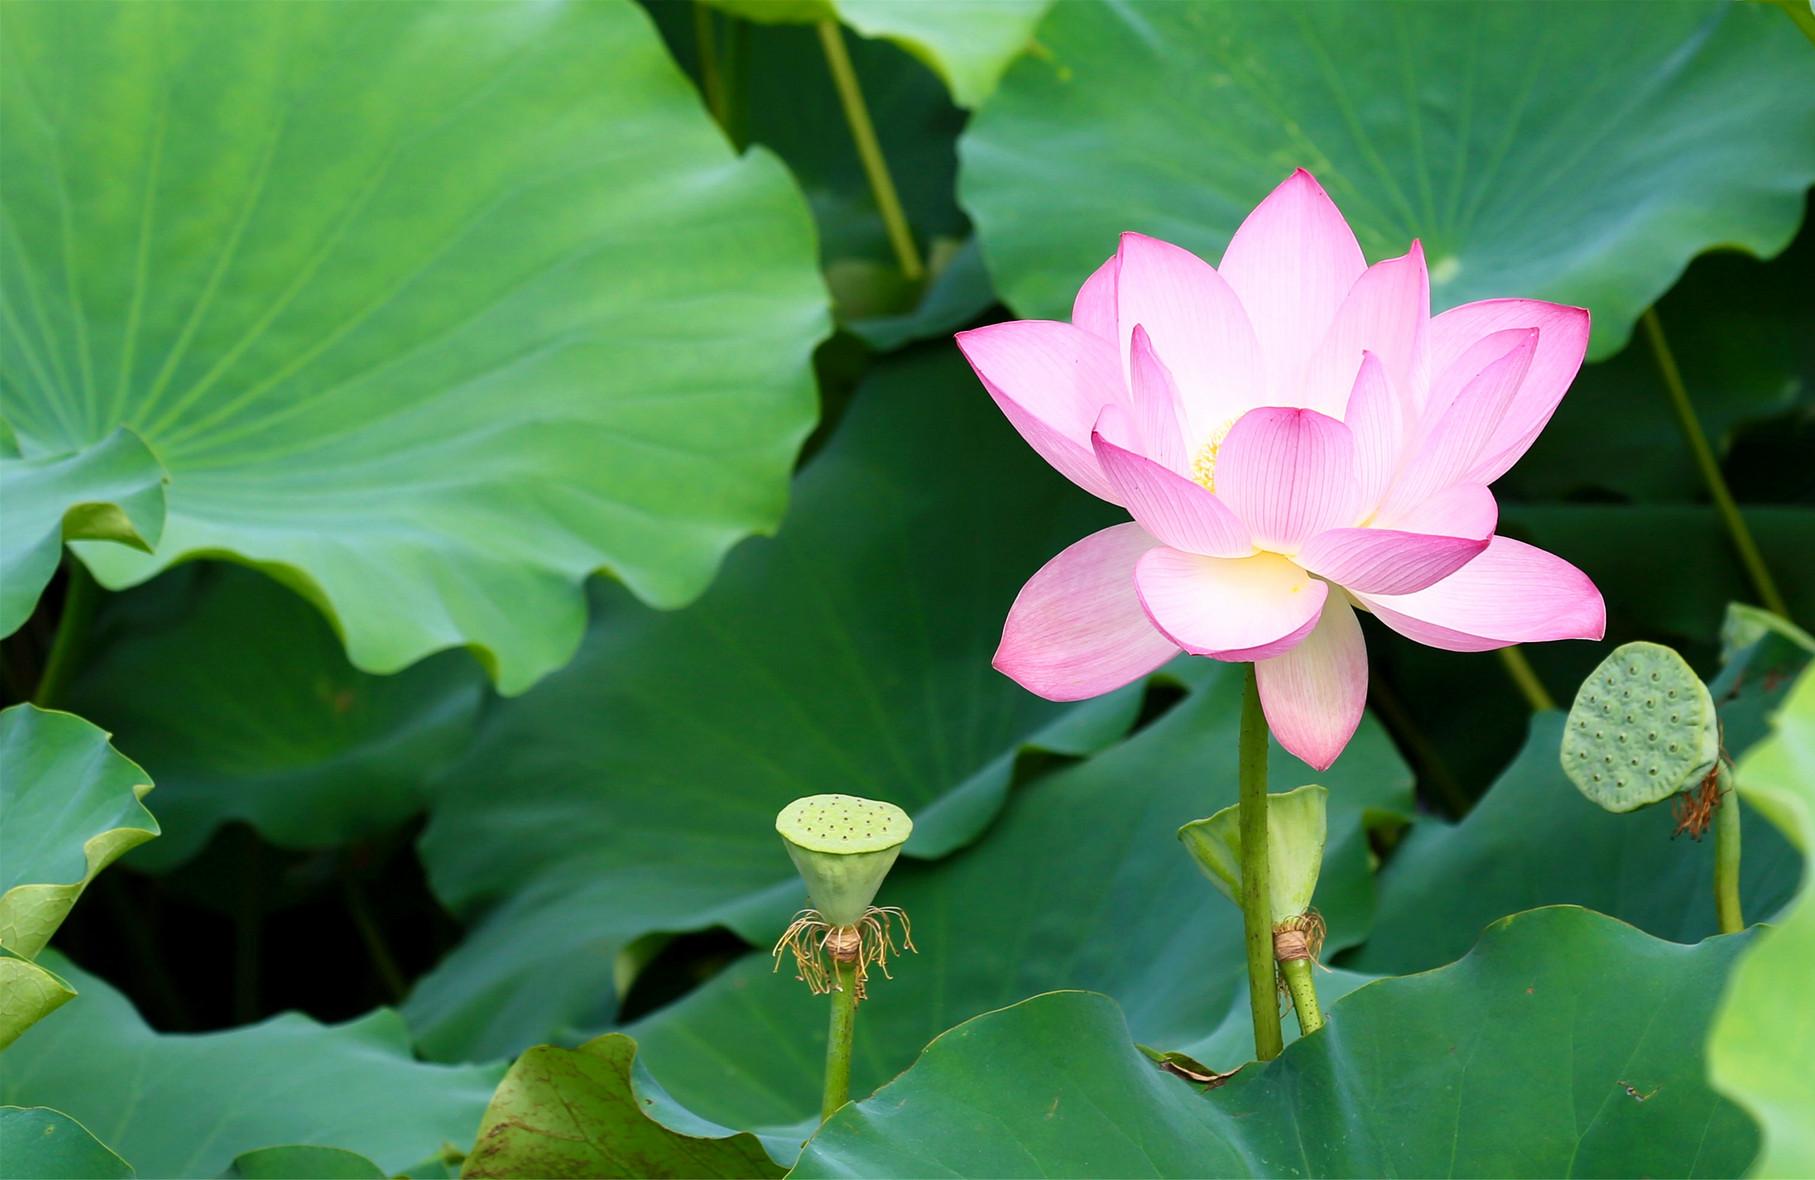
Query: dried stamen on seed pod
[{"x": 819, "y": 947}]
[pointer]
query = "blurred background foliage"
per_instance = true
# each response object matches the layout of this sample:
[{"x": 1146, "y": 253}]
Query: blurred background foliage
[{"x": 423, "y": 313}]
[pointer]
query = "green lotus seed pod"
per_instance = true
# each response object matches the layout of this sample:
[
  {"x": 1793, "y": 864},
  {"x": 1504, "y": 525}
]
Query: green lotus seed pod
[
  {"x": 1642, "y": 729},
  {"x": 843, "y": 846},
  {"x": 1296, "y": 828}
]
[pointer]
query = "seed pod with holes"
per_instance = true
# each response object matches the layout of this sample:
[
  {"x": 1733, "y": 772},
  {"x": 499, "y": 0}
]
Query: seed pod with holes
[
  {"x": 843, "y": 846},
  {"x": 1642, "y": 728},
  {"x": 1296, "y": 830}
]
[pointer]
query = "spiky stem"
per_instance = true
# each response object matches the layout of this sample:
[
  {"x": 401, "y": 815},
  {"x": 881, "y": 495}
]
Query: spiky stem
[
  {"x": 1726, "y": 859},
  {"x": 838, "y": 1040},
  {"x": 1257, "y": 920},
  {"x": 1296, "y": 943},
  {"x": 1304, "y": 995},
  {"x": 1749, "y": 555},
  {"x": 875, "y": 167}
]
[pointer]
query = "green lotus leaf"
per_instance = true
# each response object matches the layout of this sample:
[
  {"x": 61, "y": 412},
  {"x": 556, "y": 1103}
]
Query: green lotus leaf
[
  {"x": 44, "y": 1144},
  {"x": 288, "y": 736},
  {"x": 968, "y": 43},
  {"x": 288, "y": 1080},
  {"x": 429, "y": 310},
  {"x": 112, "y": 490},
  {"x": 1296, "y": 830},
  {"x": 293, "y": 1163},
  {"x": 851, "y": 654},
  {"x": 1521, "y": 151},
  {"x": 1564, "y": 1044},
  {"x": 1757, "y": 1047},
  {"x": 779, "y": 11},
  {"x": 72, "y": 807},
  {"x": 1745, "y": 626},
  {"x": 1078, "y": 884},
  {"x": 958, "y": 292},
  {"x": 578, "y": 1112},
  {"x": 28, "y": 993}
]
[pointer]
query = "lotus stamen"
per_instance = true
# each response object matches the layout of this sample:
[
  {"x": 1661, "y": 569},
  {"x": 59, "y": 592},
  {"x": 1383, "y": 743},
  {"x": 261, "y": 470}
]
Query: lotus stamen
[{"x": 818, "y": 946}]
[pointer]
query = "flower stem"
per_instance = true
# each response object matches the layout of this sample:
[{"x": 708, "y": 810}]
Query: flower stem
[
  {"x": 1257, "y": 917},
  {"x": 1726, "y": 859},
  {"x": 384, "y": 964},
  {"x": 1710, "y": 468},
  {"x": 80, "y": 597},
  {"x": 1525, "y": 679},
  {"x": 838, "y": 1041},
  {"x": 863, "y": 133},
  {"x": 1304, "y": 995}
]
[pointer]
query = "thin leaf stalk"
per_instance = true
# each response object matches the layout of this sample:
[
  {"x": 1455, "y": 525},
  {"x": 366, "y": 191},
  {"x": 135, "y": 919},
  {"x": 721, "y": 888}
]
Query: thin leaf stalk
[
  {"x": 1303, "y": 987},
  {"x": 1726, "y": 859},
  {"x": 1257, "y": 919},
  {"x": 1296, "y": 944},
  {"x": 875, "y": 166},
  {"x": 1525, "y": 679},
  {"x": 80, "y": 597},
  {"x": 1749, "y": 556}
]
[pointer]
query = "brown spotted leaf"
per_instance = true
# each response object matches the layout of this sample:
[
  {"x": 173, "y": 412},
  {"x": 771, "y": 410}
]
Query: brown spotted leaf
[{"x": 574, "y": 1112}]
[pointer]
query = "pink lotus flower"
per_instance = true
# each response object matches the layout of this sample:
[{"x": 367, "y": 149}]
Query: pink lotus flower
[{"x": 1295, "y": 436}]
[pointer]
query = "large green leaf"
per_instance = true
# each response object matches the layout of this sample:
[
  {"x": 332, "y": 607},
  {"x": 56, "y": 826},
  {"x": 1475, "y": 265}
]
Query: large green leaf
[
  {"x": 637, "y": 789},
  {"x": 28, "y": 993},
  {"x": 285, "y": 735},
  {"x": 288, "y": 1080},
  {"x": 43, "y": 1144},
  {"x": 429, "y": 309},
  {"x": 1566, "y": 1044},
  {"x": 968, "y": 43},
  {"x": 1764, "y": 1035},
  {"x": 1530, "y": 159},
  {"x": 293, "y": 1163},
  {"x": 110, "y": 491},
  {"x": 957, "y": 294},
  {"x": 574, "y": 1112},
  {"x": 1081, "y": 883},
  {"x": 1533, "y": 840},
  {"x": 71, "y": 807}
]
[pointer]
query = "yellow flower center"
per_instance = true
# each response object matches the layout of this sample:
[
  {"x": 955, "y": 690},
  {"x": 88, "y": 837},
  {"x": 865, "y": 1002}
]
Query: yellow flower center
[{"x": 1203, "y": 462}]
